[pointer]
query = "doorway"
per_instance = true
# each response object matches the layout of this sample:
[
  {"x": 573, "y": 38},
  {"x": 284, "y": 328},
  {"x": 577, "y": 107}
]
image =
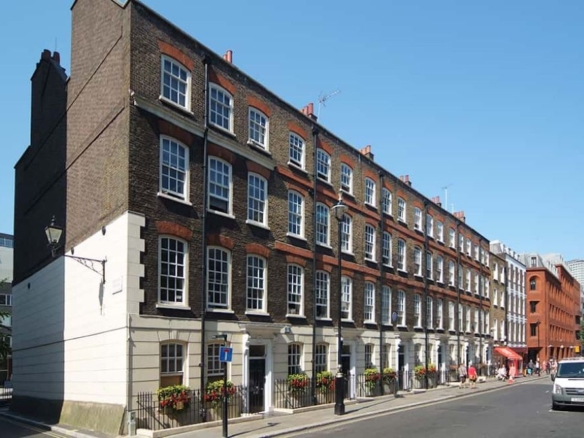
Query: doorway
[
  {"x": 401, "y": 364},
  {"x": 346, "y": 367},
  {"x": 257, "y": 378}
]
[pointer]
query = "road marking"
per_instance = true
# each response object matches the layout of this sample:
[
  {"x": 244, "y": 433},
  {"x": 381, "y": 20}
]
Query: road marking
[{"x": 34, "y": 429}]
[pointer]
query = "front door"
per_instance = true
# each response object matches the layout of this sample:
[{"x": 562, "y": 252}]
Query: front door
[
  {"x": 401, "y": 364},
  {"x": 346, "y": 366},
  {"x": 257, "y": 378}
]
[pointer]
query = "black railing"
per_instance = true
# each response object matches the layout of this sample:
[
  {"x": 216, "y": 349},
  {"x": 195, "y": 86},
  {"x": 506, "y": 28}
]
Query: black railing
[
  {"x": 299, "y": 394},
  {"x": 5, "y": 396},
  {"x": 152, "y": 416}
]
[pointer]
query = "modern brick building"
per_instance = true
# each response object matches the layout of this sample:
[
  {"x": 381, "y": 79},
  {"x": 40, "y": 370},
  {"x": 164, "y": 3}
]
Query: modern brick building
[
  {"x": 576, "y": 268},
  {"x": 213, "y": 202},
  {"x": 553, "y": 313}
]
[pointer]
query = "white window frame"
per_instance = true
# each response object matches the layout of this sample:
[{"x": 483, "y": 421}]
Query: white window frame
[
  {"x": 347, "y": 298},
  {"x": 429, "y": 225},
  {"x": 451, "y": 238},
  {"x": 323, "y": 224},
  {"x": 417, "y": 219},
  {"x": 258, "y": 126},
  {"x": 323, "y": 165},
  {"x": 218, "y": 118},
  {"x": 214, "y": 365},
  {"x": 226, "y": 285},
  {"x": 386, "y": 249},
  {"x": 6, "y": 300},
  {"x": 220, "y": 186},
  {"x": 429, "y": 312},
  {"x": 186, "y": 82},
  {"x": 295, "y": 352},
  {"x": 295, "y": 289},
  {"x": 295, "y": 218},
  {"x": 439, "y": 269},
  {"x": 417, "y": 310},
  {"x": 417, "y": 261},
  {"x": 176, "y": 265},
  {"x": 346, "y": 225},
  {"x": 476, "y": 282},
  {"x": 401, "y": 307},
  {"x": 401, "y": 255},
  {"x": 369, "y": 355},
  {"x": 401, "y": 209},
  {"x": 296, "y": 146},
  {"x": 173, "y": 362},
  {"x": 370, "y": 238},
  {"x": 451, "y": 273},
  {"x": 467, "y": 318},
  {"x": 346, "y": 178},
  {"x": 386, "y": 305},
  {"x": 439, "y": 313},
  {"x": 440, "y": 231},
  {"x": 369, "y": 304},
  {"x": 451, "y": 317},
  {"x": 429, "y": 265},
  {"x": 386, "y": 201},
  {"x": 257, "y": 287},
  {"x": 322, "y": 291},
  {"x": 321, "y": 358},
  {"x": 370, "y": 192},
  {"x": 257, "y": 199},
  {"x": 174, "y": 166}
]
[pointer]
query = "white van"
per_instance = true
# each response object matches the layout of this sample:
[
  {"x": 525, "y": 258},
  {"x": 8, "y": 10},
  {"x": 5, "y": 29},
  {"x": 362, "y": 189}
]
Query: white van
[{"x": 568, "y": 383}]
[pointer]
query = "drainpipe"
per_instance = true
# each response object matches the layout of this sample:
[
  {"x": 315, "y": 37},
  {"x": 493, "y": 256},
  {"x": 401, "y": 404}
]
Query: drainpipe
[
  {"x": 206, "y": 63},
  {"x": 457, "y": 246},
  {"x": 481, "y": 321},
  {"x": 425, "y": 274},
  {"x": 380, "y": 282},
  {"x": 315, "y": 250}
]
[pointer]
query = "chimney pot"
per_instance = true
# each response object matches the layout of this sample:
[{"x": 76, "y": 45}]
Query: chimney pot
[
  {"x": 228, "y": 56},
  {"x": 57, "y": 57},
  {"x": 46, "y": 55}
]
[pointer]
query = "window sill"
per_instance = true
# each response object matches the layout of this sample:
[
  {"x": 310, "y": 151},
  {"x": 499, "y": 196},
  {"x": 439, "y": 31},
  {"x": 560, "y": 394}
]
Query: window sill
[
  {"x": 324, "y": 245},
  {"x": 172, "y": 198},
  {"x": 323, "y": 319},
  {"x": 295, "y": 315},
  {"x": 387, "y": 265},
  {"x": 296, "y": 236},
  {"x": 325, "y": 181},
  {"x": 418, "y": 276},
  {"x": 175, "y": 105},
  {"x": 257, "y": 224},
  {"x": 369, "y": 321},
  {"x": 347, "y": 192},
  {"x": 368, "y": 259},
  {"x": 349, "y": 253},
  {"x": 172, "y": 306},
  {"x": 402, "y": 221},
  {"x": 348, "y": 320},
  {"x": 403, "y": 271},
  {"x": 370, "y": 205},
  {"x": 220, "y": 213},
  {"x": 223, "y": 130},
  {"x": 256, "y": 313},
  {"x": 217, "y": 310},
  {"x": 402, "y": 326},
  {"x": 418, "y": 327},
  {"x": 297, "y": 167},
  {"x": 259, "y": 147}
]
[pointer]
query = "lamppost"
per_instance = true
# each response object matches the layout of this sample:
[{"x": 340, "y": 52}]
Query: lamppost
[
  {"x": 54, "y": 233},
  {"x": 223, "y": 336},
  {"x": 339, "y": 208},
  {"x": 537, "y": 354}
]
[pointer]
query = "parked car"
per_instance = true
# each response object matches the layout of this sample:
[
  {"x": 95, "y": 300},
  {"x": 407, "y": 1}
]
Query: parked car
[{"x": 568, "y": 381}]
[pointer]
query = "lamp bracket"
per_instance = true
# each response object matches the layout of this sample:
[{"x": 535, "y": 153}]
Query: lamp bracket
[{"x": 90, "y": 264}]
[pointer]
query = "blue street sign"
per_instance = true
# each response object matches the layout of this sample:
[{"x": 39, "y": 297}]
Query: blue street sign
[{"x": 225, "y": 354}]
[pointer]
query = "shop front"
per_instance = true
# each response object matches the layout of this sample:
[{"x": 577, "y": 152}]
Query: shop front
[{"x": 510, "y": 359}]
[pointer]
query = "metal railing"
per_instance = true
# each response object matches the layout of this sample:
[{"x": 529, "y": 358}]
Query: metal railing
[{"x": 152, "y": 416}]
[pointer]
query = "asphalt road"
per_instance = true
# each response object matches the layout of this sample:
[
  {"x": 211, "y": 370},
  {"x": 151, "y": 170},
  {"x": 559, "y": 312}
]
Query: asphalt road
[
  {"x": 13, "y": 429},
  {"x": 512, "y": 412}
]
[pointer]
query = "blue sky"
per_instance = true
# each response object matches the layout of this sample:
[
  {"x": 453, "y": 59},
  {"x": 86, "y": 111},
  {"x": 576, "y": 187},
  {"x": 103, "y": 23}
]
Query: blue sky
[{"x": 485, "y": 98}]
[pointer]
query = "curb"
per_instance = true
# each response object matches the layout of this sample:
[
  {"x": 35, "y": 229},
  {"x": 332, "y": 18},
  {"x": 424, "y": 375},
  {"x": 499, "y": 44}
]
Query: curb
[{"x": 346, "y": 419}]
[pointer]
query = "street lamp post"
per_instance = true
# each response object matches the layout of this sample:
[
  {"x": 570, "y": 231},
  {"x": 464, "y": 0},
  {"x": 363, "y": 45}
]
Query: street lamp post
[{"x": 339, "y": 210}]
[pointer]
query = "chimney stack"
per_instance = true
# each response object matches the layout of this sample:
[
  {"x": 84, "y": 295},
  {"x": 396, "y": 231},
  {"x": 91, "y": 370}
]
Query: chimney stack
[
  {"x": 46, "y": 55},
  {"x": 308, "y": 110},
  {"x": 406, "y": 179},
  {"x": 460, "y": 215},
  {"x": 228, "y": 56},
  {"x": 436, "y": 200},
  {"x": 367, "y": 152},
  {"x": 57, "y": 57}
]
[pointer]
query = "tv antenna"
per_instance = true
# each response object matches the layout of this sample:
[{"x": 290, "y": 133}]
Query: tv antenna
[
  {"x": 445, "y": 188},
  {"x": 323, "y": 98}
]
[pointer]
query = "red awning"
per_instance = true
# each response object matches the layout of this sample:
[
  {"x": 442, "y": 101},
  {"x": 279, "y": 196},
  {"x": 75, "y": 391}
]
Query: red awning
[{"x": 507, "y": 352}]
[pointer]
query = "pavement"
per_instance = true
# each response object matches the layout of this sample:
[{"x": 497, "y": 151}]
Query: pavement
[{"x": 279, "y": 424}]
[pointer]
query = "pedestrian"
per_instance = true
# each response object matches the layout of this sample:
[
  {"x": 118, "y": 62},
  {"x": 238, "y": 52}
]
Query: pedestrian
[
  {"x": 472, "y": 376},
  {"x": 461, "y": 375},
  {"x": 530, "y": 367},
  {"x": 537, "y": 368}
]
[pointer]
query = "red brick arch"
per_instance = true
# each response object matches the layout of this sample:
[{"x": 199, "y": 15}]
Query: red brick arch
[{"x": 174, "y": 229}]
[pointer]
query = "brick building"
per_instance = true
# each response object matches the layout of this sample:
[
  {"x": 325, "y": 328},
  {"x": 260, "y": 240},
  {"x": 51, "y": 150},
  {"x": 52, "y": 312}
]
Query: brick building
[
  {"x": 498, "y": 292},
  {"x": 212, "y": 200},
  {"x": 553, "y": 308},
  {"x": 6, "y": 263}
]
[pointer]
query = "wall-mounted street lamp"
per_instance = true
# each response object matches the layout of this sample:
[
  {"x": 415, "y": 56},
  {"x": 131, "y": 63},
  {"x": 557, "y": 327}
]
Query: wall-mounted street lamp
[
  {"x": 54, "y": 233},
  {"x": 339, "y": 209}
]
